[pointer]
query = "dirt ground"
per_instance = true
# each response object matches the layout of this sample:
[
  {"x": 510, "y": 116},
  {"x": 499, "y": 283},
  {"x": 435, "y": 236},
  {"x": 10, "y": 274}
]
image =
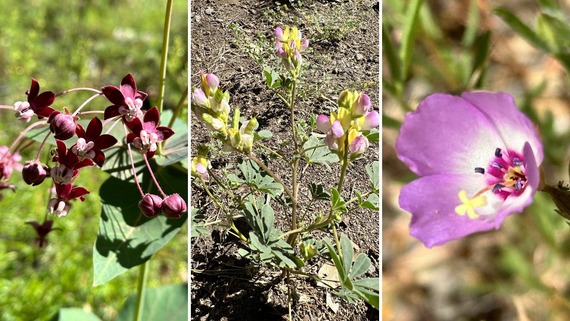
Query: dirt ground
[{"x": 233, "y": 39}]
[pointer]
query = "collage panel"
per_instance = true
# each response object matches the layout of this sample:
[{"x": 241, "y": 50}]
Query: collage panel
[
  {"x": 285, "y": 160},
  {"x": 476, "y": 129},
  {"x": 94, "y": 160}
]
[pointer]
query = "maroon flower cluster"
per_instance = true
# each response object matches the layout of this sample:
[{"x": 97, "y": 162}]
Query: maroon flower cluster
[{"x": 88, "y": 149}]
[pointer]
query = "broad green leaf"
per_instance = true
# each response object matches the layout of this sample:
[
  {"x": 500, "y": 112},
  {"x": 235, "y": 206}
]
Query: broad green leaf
[
  {"x": 368, "y": 290},
  {"x": 272, "y": 79},
  {"x": 360, "y": 266},
  {"x": 74, "y": 314},
  {"x": 176, "y": 148},
  {"x": 319, "y": 155},
  {"x": 373, "y": 171},
  {"x": 521, "y": 29},
  {"x": 166, "y": 303},
  {"x": 268, "y": 217},
  {"x": 126, "y": 237},
  {"x": 408, "y": 35}
]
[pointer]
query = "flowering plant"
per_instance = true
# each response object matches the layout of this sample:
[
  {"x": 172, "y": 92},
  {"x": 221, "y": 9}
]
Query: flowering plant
[{"x": 266, "y": 200}]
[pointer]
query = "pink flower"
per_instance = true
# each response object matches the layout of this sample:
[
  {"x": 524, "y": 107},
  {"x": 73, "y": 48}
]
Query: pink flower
[
  {"x": 8, "y": 163},
  {"x": 127, "y": 101},
  {"x": 477, "y": 157}
]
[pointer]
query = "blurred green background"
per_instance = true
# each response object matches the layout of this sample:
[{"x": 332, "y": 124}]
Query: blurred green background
[
  {"x": 519, "y": 272},
  {"x": 67, "y": 44}
]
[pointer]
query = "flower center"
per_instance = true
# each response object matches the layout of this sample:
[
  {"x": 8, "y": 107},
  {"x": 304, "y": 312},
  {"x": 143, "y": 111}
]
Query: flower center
[
  {"x": 505, "y": 176},
  {"x": 132, "y": 109},
  {"x": 146, "y": 141},
  {"x": 83, "y": 149}
]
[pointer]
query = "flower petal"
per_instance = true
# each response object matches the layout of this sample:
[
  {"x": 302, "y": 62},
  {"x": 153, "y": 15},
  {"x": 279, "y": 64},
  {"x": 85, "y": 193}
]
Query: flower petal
[
  {"x": 104, "y": 141},
  {"x": 432, "y": 201},
  {"x": 446, "y": 134},
  {"x": 94, "y": 129},
  {"x": 114, "y": 95},
  {"x": 513, "y": 126}
]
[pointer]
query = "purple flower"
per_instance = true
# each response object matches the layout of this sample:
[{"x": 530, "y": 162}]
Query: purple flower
[
  {"x": 127, "y": 100},
  {"x": 477, "y": 157}
]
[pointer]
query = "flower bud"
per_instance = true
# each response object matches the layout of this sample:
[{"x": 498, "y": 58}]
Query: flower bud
[
  {"x": 304, "y": 44},
  {"x": 34, "y": 173},
  {"x": 336, "y": 129},
  {"x": 279, "y": 34},
  {"x": 323, "y": 123},
  {"x": 359, "y": 145},
  {"x": 62, "y": 125},
  {"x": 199, "y": 98},
  {"x": 23, "y": 111},
  {"x": 173, "y": 206},
  {"x": 150, "y": 205},
  {"x": 213, "y": 81},
  {"x": 362, "y": 105},
  {"x": 58, "y": 207},
  {"x": 250, "y": 126}
]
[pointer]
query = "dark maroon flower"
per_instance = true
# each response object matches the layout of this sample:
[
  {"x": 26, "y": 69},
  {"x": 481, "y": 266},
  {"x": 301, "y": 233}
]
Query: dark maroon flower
[
  {"x": 127, "y": 100},
  {"x": 34, "y": 173},
  {"x": 68, "y": 158},
  {"x": 150, "y": 205},
  {"x": 65, "y": 192},
  {"x": 42, "y": 231},
  {"x": 62, "y": 125},
  {"x": 173, "y": 206},
  {"x": 91, "y": 143},
  {"x": 147, "y": 134},
  {"x": 40, "y": 103}
]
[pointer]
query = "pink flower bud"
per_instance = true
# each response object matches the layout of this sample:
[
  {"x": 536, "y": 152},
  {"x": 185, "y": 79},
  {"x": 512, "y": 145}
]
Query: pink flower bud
[
  {"x": 362, "y": 105},
  {"x": 62, "y": 125},
  {"x": 336, "y": 129},
  {"x": 359, "y": 145},
  {"x": 304, "y": 44},
  {"x": 279, "y": 34},
  {"x": 297, "y": 58},
  {"x": 34, "y": 173},
  {"x": 213, "y": 81},
  {"x": 323, "y": 123},
  {"x": 150, "y": 205},
  {"x": 173, "y": 206},
  {"x": 199, "y": 98}
]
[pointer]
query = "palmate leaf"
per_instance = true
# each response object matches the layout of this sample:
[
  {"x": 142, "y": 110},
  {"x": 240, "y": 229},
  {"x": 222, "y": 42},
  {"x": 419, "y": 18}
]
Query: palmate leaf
[
  {"x": 319, "y": 155},
  {"x": 127, "y": 238},
  {"x": 167, "y": 303}
]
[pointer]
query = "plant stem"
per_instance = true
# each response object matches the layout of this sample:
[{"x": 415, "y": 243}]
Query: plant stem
[
  {"x": 163, "y": 57},
  {"x": 141, "y": 289},
  {"x": 275, "y": 177},
  {"x": 228, "y": 215},
  {"x": 178, "y": 107}
]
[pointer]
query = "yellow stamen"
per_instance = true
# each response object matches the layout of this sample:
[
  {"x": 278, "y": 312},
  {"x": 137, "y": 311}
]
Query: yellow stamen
[{"x": 468, "y": 205}]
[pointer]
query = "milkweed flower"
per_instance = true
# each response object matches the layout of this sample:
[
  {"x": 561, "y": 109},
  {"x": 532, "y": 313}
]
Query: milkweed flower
[{"x": 477, "y": 157}]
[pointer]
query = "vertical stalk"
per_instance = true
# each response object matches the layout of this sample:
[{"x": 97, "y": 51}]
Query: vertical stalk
[
  {"x": 163, "y": 57},
  {"x": 141, "y": 289},
  {"x": 295, "y": 166}
]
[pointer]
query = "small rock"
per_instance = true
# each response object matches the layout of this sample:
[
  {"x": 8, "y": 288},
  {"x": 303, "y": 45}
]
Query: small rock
[
  {"x": 209, "y": 11},
  {"x": 359, "y": 56},
  {"x": 197, "y": 18}
]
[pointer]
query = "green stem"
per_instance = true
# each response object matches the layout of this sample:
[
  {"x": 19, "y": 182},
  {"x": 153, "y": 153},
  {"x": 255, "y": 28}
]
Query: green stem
[
  {"x": 178, "y": 107},
  {"x": 163, "y": 58},
  {"x": 141, "y": 289},
  {"x": 275, "y": 177},
  {"x": 228, "y": 214}
]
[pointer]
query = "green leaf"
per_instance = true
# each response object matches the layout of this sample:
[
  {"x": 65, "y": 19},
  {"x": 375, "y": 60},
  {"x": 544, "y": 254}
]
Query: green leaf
[
  {"x": 389, "y": 122},
  {"x": 73, "y": 314},
  {"x": 318, "y": 192},
  {"x": 320, "y": 155},
  {"x": 338, "y": 204},
  {"x": 360, "y": 266},
  {"x": 197, "y": 228},
  {"x": 481, "y": 47},
  {"x": 268, "y": 217},
  {"x": 521, "y": 29},
  {"x": 373, "y": 135},
  {"x": 167, "y": 303},
  {"x": 373, "y": 171},
  {"x": 372, "y": 202},
  {"x": 263, "y": 134},
  {"x": 472, "y": 25},
  {"x": 126, "y": 237},
  {"x": 336, "y": 259},
  {"x": 272, "y": 79},
  {"x": 176, "y": 148},
  {"x": 408, "y": 35},
  {"x": 368, "y": 290},
  {"x": 346, "y": 248}
]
